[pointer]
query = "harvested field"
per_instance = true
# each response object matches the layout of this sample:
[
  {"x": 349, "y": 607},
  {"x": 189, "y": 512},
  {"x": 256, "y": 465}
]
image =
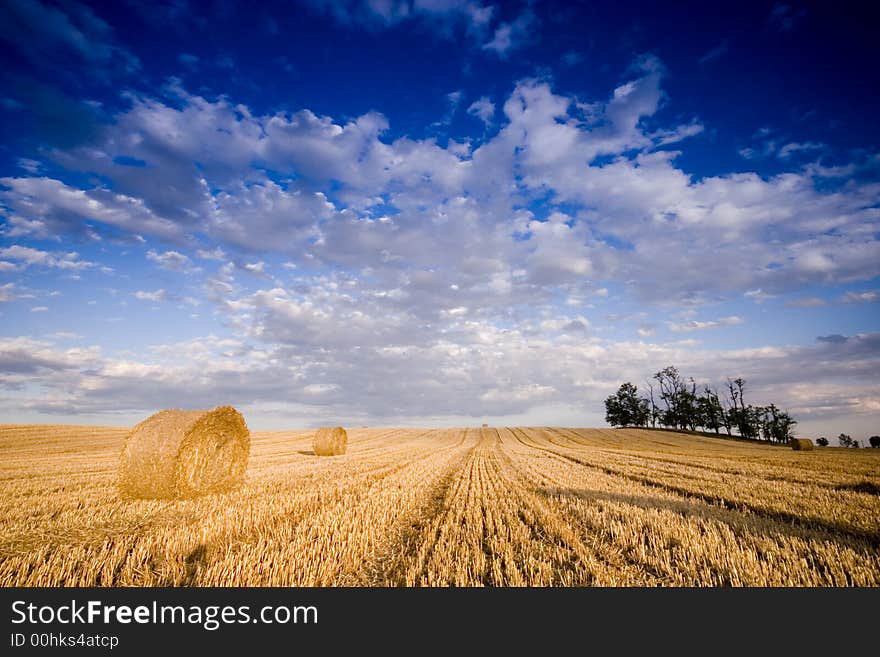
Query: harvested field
[{"x": 460, "y": 507}]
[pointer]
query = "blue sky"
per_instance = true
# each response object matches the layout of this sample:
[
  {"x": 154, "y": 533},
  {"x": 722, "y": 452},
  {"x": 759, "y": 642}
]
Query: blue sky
[{"x": 436, "y": 211}]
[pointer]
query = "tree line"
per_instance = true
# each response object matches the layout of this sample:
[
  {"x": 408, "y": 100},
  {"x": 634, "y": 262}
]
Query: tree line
[
  {"x": 845, "y": 440},
  {"x": 674, "y": 402}
]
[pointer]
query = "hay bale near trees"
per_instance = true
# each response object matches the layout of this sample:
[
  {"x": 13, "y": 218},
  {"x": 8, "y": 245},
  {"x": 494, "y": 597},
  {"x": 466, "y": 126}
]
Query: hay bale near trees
[
  {"x": 330, "y": 441},
  {"x": 178, "y": 454},
  {"x": 801, "y": 444}
]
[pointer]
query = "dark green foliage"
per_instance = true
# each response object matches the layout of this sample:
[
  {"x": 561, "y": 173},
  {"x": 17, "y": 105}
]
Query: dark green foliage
[
  {"x": 680, "y": 406},
  {"x": 626, "y": 409}
]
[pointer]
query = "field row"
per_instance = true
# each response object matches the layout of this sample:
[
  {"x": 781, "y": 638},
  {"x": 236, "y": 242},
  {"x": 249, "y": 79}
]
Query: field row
[{"x": 458, "y": 507}]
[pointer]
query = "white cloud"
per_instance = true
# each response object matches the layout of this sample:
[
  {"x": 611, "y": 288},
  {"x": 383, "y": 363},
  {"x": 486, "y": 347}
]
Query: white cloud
[
  {"x": 156, "y": 295},
  {"x": 483, "y": 109},
  {"x": 212, "y": 254},
  {"x": 485, "y": 371},
  {"x": 24, "y": 256},
  {"x": 9, "y": 292},
  {"x": 29, "y": 165},
  {"x": 170, "y": 260},
  {"x": 46, "y": 208},
  {"x": 512, "y": 35},
  {"x": 869, "y": 296},
  {"x": 788, "y": 150},
  {"x": 456, "y": 271},
  {"x": 642, "y": 205},
  {"x": 758, "y": 295},
  {"x": 695, "y": 325}
]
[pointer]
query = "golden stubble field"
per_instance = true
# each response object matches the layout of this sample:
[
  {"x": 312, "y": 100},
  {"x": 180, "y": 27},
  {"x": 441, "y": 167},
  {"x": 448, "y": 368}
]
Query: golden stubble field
[{"x": 460, "y": 507}]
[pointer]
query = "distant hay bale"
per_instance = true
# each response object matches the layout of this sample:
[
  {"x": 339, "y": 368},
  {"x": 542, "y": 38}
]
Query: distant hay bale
[
  {"x": 485, "y": 425},
  {"x": 178, "y": 454},
  {"x": 801, "y": 444},
  {"x": 330, "y": 441}
]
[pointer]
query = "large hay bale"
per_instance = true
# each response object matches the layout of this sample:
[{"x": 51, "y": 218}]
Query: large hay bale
[
  {"x": 177, "y": 453},
  {"x": 485, "y": 425},
  {"x": 330, "y": 441},
  {"x": 801, "y": 444}
]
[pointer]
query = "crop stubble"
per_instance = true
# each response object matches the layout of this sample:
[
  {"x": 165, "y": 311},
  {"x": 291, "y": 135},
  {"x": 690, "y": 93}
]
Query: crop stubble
[{"x": 461, "y": 507}]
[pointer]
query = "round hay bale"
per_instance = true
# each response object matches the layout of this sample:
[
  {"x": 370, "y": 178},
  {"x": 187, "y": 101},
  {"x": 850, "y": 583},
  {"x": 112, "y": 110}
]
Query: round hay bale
[
  {"x": 801, "y": 444},
  {"x": 177, "y": 453},
  {"x": 330, "y": 441}
]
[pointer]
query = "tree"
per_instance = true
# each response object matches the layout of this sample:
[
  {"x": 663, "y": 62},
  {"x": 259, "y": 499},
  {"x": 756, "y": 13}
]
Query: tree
[
  {"x": 874, "y": 441},
  {"x": 625, "y": 408},
  {"x": 746, "y": 420},
  {"x": 711, "y": 411},
  {"x": 777, "y": 425},
  {"x": 822, "y": 441},
  {"x": 784, "y": 426},
  {"x": 655, "y": 415},
  {"x": 689, "y": 408},
  {"x": 727, "y": 417},
  {"x": 845, "y": 440},
  {"x": 673, "y": 401},
  {"x": 672, "y": 390}
]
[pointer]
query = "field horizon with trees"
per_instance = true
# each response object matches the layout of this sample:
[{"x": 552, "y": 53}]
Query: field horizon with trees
[{"x": 673, "y": 402}]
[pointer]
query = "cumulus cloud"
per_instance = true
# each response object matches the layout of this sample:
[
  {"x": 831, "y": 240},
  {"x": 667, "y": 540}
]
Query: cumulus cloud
[
  {"x": 21, "y": 257},
  {"x": 483, "y": 109},
  {"x": 170, "y": 260},
  {"x": 464, "y": 377},
  {"x": 216, "y": 253},
  {"x": 455, "y": 271},
  {"x": 360, "y": 200},
  {"x": 46, "y": 208}
]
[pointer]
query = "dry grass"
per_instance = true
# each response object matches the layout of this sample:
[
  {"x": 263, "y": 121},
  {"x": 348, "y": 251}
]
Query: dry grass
[
  {"x": 176, "y": 453},
  {"x": 330, "y": 441},
  {"x": 504, "y": 507}
]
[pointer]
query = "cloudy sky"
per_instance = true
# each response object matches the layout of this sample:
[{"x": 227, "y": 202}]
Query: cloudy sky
[{"x": 435, "y": 211}]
